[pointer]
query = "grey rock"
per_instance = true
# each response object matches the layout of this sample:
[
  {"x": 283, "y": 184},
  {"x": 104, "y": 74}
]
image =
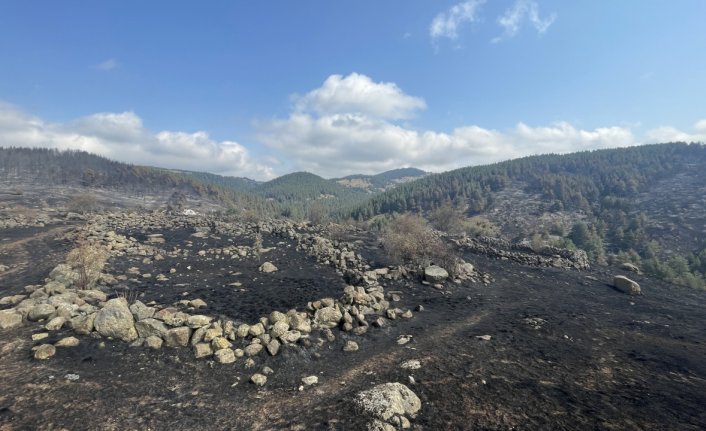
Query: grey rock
[
  {"x": 225, "y": 356},
  {"x": 44, "y": 351},
  {"x": 267, "y": 267},
  {"x": 201, "y": 350},
  {"x": 67, "y": 342},
  {"x": 149, "y": 327},
  {"x": 387, "y": 400},
  {"x": 10, "y": 319},
  {"x": 252, "y": 349},
  {"x": 178, "y": 337},
  {"x": 435, "y": 274},
  {"x": 198, "y": 321},
  {"x": 154, "y": 342},
  {"x": 350, "y": 346},
  {"x": 40, "y": 312},
  {"x": 140, "y": 311},
  {"x": 328, "y": 317},
  {"x": 626, "y": 285},
  {"x": 258, "y": 379},
  {"x": 83, "y": 324},
  {"x": 115, "y": 320},
  {"x": 55, "y": 324}
]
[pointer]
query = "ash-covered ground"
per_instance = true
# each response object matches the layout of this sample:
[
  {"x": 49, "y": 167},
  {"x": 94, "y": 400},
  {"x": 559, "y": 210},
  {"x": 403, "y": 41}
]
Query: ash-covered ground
[{"x": 537, "y": 348}]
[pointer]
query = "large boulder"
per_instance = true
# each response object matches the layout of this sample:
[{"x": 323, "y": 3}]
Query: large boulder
[
  {"x": 387, "y": 400},
  {"x": 626, "y": 285},
  {"x": 435, "y": 274},
  {"x": 328, "y": 317},
  {"x": 115, "y": 320}
]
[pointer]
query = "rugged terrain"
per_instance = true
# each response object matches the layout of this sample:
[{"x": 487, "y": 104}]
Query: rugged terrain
[{"x": 523, "y": 343}]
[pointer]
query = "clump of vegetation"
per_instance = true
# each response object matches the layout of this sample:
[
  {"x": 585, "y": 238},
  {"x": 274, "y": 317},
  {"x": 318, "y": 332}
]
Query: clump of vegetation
[
  {"x": 448, "y": 219},
  {"x": 410, "y": 240},
  {"x": 129, "y": 295},
  {"x": 481, "y": 226},
  {"x": 87, "y": 260},
  {"x": 257, "y": 245}
]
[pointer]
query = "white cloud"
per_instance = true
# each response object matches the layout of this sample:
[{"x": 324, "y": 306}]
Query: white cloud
[
  {"x": 357, "y": 93},
  {"x": 335, "y": 143},
  {"x": 672, "y": 134},
  {"x": 123, "y": 137},
  {"x": 700, "y": 125},
  {"x": 446, "y": 24},
  {"x": 109, "y": 64},
  {"x": 522, "y": 10}
]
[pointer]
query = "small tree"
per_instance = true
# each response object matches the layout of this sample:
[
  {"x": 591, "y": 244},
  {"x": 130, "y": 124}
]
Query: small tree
[
  {"x": 88, "y": 261},
  {"x": 257, "y": 245}
]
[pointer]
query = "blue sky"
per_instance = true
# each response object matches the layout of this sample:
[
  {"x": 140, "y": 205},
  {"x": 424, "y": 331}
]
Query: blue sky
[{"x": 264, "y": 88}]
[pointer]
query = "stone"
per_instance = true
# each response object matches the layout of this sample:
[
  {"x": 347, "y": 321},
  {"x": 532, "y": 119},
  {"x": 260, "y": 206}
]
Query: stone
[
  {"x": 256, "y": 330},
  {"x": 267, "y": 267},
  {"x": 242, "y": 330},
  {"x": 198, "y": 303},
  {"x": 148, "y": 327},
  {"x": 198, "y": 335},
  {"x": 178, "y": 337},
  {"x": 140, "y": 311},
  {"x": 220, "y": 343},
  {"x": 115, "y": 320},
  {"x": 225, "y": 356},
  {"x": 273, "y": 347},
  {"x": 67, "y": 342},
  {"x": 412, "y": 364},
  {"x": 40, "y": 312},
  {"x": 291, "y": 336},
  {"x": 310, "y": 380},
  {"x": 258, "y": 379},
  {"x": 277, "y": 316},
  {"x": 44, "y": 351},
  {"x": 350, "y": 346},
  {"x": 12, "y": 300},
  {"x": 626, "y": 285},
  {"x": 93, "y": 296},
  {"x": 55, "y": 324},
  {"x": 154, "y": 342},
  {"x": 378, "y": 425},
  {"x": 198, "y": 321},
  {"x": 54, "y": 287},
  {"x": 435, "y": 274},
  {"x": 300, "y": 322},
  {"x": 201, "y": 350},
  {"x": 279, "y": 328},
  {"x": 387, "y": 400},
  {"x": 83, "y": 324},
  {"x": 328, "y": 317},
  {"x": 175, "y": 319},
  {"x": 10, "y": 319},
  {"x": 40, "y": 336},
  {"x": 630, "y": 267},
  {"x": 252, "y": 349}
]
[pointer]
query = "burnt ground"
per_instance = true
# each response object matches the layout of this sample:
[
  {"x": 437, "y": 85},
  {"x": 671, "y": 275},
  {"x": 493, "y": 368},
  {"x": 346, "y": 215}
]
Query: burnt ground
[{"x": 597, "y": 359}]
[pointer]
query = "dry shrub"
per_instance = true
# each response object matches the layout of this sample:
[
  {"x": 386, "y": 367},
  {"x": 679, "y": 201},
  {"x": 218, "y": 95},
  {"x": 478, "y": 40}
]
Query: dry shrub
[
  {"x": 88, "y": 261},
  {"x": 409, "y": 239},
  {"x": 83, "y": 203},
  {"x": 257, "y": 245},
  {"x": 481, "y": 226}
]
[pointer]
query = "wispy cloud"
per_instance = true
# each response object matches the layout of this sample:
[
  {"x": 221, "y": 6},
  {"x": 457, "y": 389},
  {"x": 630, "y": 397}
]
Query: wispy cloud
[
  {"x": 446, "y": 24},
  {"x": 519, "y": 12},
  {"x": 109, "y": 64}
]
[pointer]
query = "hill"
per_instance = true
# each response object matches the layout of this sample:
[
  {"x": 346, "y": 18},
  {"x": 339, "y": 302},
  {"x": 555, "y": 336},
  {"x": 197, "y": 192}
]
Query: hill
[
  {"x": 65, "y": 170},
  {"x": 640, "y": 204},
  {"x": 382, "y": 181}
]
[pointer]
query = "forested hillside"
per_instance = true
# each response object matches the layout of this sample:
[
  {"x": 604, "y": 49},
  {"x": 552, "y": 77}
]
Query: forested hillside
[{"x": 642, "y": 204}]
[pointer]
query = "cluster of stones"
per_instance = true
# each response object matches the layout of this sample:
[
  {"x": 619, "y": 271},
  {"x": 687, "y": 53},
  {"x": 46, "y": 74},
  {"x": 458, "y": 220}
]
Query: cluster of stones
[
  {"x": 523, "y": 253},
  {"x": 12, "y": 221}
]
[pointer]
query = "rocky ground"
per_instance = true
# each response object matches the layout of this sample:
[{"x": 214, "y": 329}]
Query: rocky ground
[{"x": 538, "y": 347}]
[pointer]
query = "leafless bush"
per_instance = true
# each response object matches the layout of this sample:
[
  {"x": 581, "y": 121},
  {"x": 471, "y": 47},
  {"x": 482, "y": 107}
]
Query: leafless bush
[
  {"x": 409, "y": 239},
  {"x": 88, "y": 261},
  {"x": 257, "y": 245},
  {"x": 448, "y": 219}
]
